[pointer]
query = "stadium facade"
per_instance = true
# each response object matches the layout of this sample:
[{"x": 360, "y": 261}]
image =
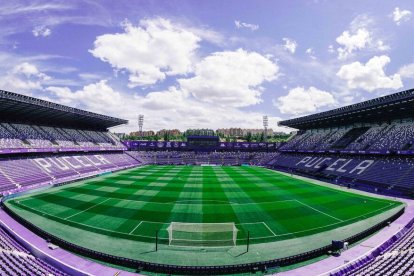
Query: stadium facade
[{"x": 367, "y": 146}]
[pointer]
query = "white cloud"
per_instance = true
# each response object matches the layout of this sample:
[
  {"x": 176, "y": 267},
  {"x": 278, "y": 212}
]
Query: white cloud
[
  {"x": 407, "y": 71},
  {"x": 362, "y": 21},
  {"x": 381, "y": 46},
  {"x": 149, "y": 52},
  {"x": 231, "y": 78},
  {"x": 311, "y": 53},
  {"x": 252, "y": 27},
  {"x": 23, "y": 78},
  {"x": 352, "y": 41},
  {"x": 400, "y": 16},
  {"x": 170, "y": 108},
  {"x": 208, "y": 35},
  {"x": 94, "y": 96},
  {"x": 21, "y": 16},
  {"x": 14, "y": 7},
  {"x": 28, "y": 70},
  {"x": 361, "y": 34},
  {"x": 41, "y": 31},
  {"x": 290, "y": 44},
  {"x": 369, "y": 76},
  {"x": 303, "y": 101},
  {"x": 90, "y": 76}
]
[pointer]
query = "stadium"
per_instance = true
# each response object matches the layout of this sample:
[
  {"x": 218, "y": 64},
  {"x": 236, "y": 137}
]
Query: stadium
[
  {"x": 189, "y": 137},
  {"x": 77, "y": 200}
]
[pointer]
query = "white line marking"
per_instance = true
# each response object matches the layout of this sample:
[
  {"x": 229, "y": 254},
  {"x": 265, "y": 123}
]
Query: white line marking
[
  {"x": 317, "y": 210},
  {"x": 156, "y": 222},
  {"x": 257, "y": 238},
  {"x": 87, "y": 209},
  {"x": 286, "y": 234},
  {"x": 219, "y": 202},
  {"x": 96, "y": 227},
  {"x": 135, "y": 227},
  {"x": 215, "y": 202},
  {"x": 267, "y": 226},
  {"x": 246, "y": 223}
]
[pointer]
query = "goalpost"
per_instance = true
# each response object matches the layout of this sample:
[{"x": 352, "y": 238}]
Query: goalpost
[{"x": 202, "y": 234}]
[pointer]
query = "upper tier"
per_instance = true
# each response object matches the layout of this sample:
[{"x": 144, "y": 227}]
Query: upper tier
[
  {"x": 16, "y": 108},
  {"x": 379, "y": 110},
  {"x": 21, "y": 138}
]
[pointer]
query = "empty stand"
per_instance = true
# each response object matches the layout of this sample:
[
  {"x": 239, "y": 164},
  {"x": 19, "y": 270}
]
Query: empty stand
[
  {"x": 17, "y": 136},
  {"x": 215, "y": 158},
  {"x": 385, "y": 173},
  {"x": 16, "y": 260},
  {"x": 19, "y": 172},
  {"x": 352, "y": 135},
  {"x": 398, "y": 259},
  {"x": 395, "y": 136}
]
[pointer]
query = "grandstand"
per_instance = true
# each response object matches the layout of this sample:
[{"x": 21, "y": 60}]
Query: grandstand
[
  {"x": 45, "y": 143},
  {"x": 204, "y": 206},
  {"x": 17, "y": 260},
  {"x": 395, "y": 257},
  {"x": 367, "y": 145}
]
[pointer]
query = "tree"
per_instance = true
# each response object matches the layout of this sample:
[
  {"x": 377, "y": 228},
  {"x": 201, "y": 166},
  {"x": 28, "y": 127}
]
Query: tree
[
  {"x": 261, "y": 137},
  {"x": 249, "y": 137}
]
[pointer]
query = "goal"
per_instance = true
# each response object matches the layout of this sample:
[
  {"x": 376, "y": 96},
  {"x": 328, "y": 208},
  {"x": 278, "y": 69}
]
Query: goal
[{"x": 202, "y": 234}]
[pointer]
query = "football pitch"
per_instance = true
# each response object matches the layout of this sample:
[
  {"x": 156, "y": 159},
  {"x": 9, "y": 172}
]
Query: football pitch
[{"x": 134, "y": 204}]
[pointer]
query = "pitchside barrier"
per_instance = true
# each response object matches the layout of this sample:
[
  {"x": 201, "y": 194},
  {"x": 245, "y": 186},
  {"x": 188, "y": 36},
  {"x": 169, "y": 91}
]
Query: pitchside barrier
[{"x": 202, "y": 234}]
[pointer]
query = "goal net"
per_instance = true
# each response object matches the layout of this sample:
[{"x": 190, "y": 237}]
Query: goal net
[{"x": 202, "y": 234}]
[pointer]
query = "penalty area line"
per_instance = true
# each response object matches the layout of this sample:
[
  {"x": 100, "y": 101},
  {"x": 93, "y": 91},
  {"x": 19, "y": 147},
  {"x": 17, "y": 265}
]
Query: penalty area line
[
  {"x": 267, "y": 226},
  {"x": 91, "y": 226},
  {"x": 136, "y": 227},
  {"x": 87, "y": 209},
  {"x": 304, "y": 204}
]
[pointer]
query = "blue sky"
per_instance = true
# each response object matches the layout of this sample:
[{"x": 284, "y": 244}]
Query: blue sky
[{"x": 206, "y": 64}]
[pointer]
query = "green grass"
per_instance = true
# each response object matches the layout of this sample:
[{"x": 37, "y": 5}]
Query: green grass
[{"x": 134, "y": 204}]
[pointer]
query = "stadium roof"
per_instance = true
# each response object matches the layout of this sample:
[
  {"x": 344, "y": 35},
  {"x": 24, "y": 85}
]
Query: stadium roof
[
  {"x": 23, "y": 109},
  {"x": 395, "y": 106}
]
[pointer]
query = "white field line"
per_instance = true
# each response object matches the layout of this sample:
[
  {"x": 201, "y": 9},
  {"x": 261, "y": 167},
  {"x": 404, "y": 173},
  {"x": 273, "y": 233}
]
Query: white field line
[
  {"x": 87, "y": 208},
  {"x": 142, "y": 236},
  {"x": 304, "y": 204},
  {"x": 331, "y": 186},
  {"x": 214, "y": 202},
  {"x": 132, "y": 231},
  {"x": 247, "y": 223},
  {"x": 254, "y": 238},
  {"x": 286, "y": 234},
  {"x": 96, "y": 227},
  {"x": 267, "y": 226},
  {"x": 221, "y": 202},
  {"x": 183, "y": 202}
]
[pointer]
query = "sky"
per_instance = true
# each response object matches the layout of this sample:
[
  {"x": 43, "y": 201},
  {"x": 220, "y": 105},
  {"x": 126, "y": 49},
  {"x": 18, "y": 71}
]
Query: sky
[{"x": 206, "y": 64}]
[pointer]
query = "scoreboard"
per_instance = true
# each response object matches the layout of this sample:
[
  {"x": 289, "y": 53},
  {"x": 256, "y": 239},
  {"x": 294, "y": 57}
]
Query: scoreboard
[{"x": 202, "y": 141}]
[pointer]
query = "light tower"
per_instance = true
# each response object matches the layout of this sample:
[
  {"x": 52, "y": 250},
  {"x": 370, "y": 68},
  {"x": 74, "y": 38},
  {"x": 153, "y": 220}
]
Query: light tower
[
  {"x": 140, "y": 123},
  {"x": 265, "y": 125}
]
